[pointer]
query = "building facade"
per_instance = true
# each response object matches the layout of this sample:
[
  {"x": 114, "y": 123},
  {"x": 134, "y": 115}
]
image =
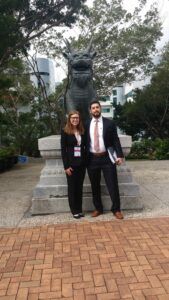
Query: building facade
[
  {"x": 44, "y": 74},
  {"x": 117, "y": 96},
  {"x": 107, "y": 109}
]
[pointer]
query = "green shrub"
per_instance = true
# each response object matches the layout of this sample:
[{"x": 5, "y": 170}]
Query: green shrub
[
  {"x": 162, "y": 149},
  {"x": 6, "y": 152},
  {"x": 150, "y": 149}
]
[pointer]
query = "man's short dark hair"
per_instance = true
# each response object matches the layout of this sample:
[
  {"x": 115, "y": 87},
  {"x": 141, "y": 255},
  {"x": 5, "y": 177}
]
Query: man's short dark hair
[{"x": 94, "y": 102}]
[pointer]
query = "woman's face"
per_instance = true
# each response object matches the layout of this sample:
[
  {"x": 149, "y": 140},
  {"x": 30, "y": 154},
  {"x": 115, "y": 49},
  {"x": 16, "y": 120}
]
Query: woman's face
[{"x": 74, "y": 120}]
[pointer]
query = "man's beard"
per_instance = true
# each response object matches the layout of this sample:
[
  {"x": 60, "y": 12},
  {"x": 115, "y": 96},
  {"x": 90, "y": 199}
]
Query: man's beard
[{"x": 96, "y": 115}]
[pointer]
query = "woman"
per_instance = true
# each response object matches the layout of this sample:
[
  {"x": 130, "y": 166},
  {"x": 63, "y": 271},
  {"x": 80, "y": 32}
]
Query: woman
[{"x": 73, "y": 156}]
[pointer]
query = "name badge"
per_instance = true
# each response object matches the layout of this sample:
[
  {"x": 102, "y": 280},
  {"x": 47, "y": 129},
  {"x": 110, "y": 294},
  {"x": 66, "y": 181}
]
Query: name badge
[{"x": 77, "y": 151}]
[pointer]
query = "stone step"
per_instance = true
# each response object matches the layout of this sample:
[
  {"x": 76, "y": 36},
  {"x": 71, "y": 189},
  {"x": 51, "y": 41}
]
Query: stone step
[
  {"x": 51, "y": 191},
  {"x": 61, "y": 180},
  {"x": 58, "y": 205}
]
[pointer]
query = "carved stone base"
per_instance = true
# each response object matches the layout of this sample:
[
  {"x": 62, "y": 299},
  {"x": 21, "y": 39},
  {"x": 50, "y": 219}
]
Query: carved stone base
[{"x": 50, "y": 194}]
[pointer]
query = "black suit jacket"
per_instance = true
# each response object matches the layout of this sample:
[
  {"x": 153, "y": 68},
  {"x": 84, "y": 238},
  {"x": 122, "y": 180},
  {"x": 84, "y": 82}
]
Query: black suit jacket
[
  {"x": 68, "y": 142},
  {"x": 110, "y": 136}
]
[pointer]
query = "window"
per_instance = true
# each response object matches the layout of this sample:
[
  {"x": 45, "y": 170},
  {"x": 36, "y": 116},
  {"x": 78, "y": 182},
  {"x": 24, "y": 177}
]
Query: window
[
  {"x": 105, "y": 110},
  {"x": 114, "y": 92},
  {"x": 115, "y": 100},
  {"x": 44, "y": 73}
]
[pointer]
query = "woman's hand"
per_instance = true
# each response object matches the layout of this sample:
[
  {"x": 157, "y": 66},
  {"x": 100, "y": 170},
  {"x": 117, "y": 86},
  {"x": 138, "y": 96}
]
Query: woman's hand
[{"x": 69, "y": 171}]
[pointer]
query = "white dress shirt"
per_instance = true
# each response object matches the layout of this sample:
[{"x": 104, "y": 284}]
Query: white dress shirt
[{"x": 100, "y": 131}]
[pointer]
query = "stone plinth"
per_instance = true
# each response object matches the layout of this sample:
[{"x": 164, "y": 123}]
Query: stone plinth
[{"x": 50, "y": 194}]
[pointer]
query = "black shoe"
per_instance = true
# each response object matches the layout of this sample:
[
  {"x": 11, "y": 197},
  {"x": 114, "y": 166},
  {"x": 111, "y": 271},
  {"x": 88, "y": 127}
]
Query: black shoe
[
  {"x": 81, "y": 215},
  {"x": 77, "y": 216}
]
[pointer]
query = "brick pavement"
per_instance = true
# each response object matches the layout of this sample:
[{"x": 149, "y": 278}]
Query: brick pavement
[{"x": 126, "y": 259}]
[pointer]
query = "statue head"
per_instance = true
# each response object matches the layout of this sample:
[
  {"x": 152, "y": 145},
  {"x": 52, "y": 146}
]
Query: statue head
[{"x": 80, "y": 61}]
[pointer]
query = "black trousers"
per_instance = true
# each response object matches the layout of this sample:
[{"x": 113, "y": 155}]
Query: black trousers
[
  {"x": 96, "y": 165},
  {"x": 75, "y": 189}
]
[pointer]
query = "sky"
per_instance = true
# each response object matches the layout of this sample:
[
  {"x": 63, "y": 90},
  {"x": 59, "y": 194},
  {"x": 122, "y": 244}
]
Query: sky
[{"x": 163, "y": 6}]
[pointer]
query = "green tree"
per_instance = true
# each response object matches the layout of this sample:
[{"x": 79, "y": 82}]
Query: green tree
[
  {"x": 27, "y": 113},
  {"x": 16, "y": 96},
  {"x": 21, "y": 21},
  {"x": 125, "y": 42},
  {"x": 50, "y": 109},
  {"x": 148, "y": 115}
]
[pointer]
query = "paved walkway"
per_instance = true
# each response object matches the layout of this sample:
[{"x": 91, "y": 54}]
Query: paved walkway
[
  {"x": 16, "y": 188},
  {"x": 87, "y": 259},
  {"x": 126, "y": 259}
]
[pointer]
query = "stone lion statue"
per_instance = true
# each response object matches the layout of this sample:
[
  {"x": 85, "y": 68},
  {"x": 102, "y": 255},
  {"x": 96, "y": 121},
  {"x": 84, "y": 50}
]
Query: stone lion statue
[{"x": 80, "y": 91}]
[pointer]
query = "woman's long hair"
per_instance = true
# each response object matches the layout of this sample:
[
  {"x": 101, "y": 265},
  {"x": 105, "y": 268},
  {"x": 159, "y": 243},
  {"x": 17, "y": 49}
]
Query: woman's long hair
[{"x": 69, "y": 128}]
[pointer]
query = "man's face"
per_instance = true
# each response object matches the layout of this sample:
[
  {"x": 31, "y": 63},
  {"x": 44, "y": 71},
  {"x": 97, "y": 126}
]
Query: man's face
[{"x": 95, "y": 110}]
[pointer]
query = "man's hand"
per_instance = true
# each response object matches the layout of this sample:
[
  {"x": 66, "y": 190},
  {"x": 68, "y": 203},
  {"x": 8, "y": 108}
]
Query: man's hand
[
  {"x": 119, "y": 161},
  {"x": 69, "y": 171}
]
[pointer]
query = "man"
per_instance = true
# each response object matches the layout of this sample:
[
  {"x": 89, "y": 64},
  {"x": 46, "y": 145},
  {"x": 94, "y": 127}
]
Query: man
[{"x": 102, "y": 134}]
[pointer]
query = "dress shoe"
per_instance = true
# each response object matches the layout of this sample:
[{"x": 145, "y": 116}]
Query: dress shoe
[
  {"x": 76, "y": 216},
  {"x": 96, "y": 213},
  {"x": 118, "y": 215},
  {"x": 81, "y": 215}
]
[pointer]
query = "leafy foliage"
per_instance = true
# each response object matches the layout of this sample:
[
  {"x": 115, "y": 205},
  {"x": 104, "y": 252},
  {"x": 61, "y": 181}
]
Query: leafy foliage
[
  {"x": 7, "y": 152},
  {"x": 21, "y": 21},
  {"x": 25, "y": 114},
  {"x": 148, "y": 115},
  {"x": 124, "y": 42},
  {"x": 15, "y": 101},
  {"x": 148, "y": 149}
]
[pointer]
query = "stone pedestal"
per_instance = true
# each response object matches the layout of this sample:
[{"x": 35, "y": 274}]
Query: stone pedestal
[{"x": 50, "y": 194}]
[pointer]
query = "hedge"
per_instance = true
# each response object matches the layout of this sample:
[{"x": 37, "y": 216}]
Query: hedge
[{"x": 150, "y": 149}]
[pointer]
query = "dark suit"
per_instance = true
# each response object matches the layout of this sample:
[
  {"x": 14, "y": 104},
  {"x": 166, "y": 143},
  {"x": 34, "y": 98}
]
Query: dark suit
[
  {"x": 75, "y": 181},
  {"x": 103, "y": 163}
]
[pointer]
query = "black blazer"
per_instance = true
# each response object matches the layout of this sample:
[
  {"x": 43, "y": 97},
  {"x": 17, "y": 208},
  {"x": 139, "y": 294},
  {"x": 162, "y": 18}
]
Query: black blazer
[
  {"x": 68, "y": 142},
  {"x": 110, "y": 136}
]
